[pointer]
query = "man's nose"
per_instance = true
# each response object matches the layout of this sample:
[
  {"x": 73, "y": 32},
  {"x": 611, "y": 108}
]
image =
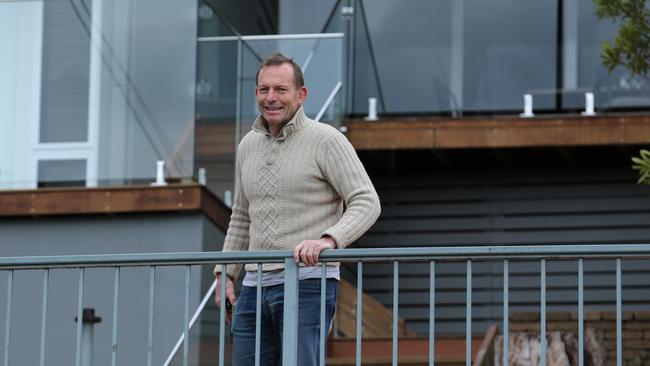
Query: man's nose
[{"x": 271, "y": 95}]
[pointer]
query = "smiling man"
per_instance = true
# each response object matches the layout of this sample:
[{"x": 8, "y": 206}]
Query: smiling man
[{"x": 299, "y": 186}]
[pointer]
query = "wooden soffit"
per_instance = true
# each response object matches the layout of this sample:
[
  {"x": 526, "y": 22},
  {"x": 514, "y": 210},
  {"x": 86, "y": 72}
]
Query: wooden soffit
[
  {"x": 115, "y": 200},
  {"x": 506, "y": 132}
]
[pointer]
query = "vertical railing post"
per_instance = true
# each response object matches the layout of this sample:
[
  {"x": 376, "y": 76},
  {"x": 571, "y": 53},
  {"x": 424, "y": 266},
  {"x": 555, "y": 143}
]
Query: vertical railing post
[
  {"x": 619, "y": 315},
  {"x": 506, "y": 313},
  {"x": 395, "y": 311},
  {"x": 116, "y": 306},
  {"x": 323, "y": 330},
  {"x": 10, "y": 282},
  {"x": 543, "y": 313},
  {"x": 432, "y": 312},
  {"x": 468, "y": 316},
  {"x": 240, "y": 80},
  {"x": 46, "y": 280},
  {"x": 80, "y": 301},
  {"x": 222, "y": 316},
  {"x": 186, "y": 318},
  {"x": 581, "y": 339},
  {"x": 152, "y": 286},
  {"x": 359, "y": 327},
  {"x": 290, "y": 323},
  {"x": 258, "y": 316}
]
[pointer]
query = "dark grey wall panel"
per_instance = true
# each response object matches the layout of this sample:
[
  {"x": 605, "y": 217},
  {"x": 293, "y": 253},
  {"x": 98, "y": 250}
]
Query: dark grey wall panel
[
  {"x": 137, "y": 233},
  {"x": 513, "y": 208}
]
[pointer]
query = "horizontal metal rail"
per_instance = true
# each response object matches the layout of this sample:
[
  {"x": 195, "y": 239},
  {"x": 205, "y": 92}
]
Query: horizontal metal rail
[
  {"x": 395, "y": 255},
  {"x": 271, "y": 37},
  {"x": 340, "y": 255}
]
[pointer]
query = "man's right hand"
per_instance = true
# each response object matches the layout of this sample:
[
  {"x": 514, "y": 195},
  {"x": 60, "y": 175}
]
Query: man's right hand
[{"x": 230, "y": 295}]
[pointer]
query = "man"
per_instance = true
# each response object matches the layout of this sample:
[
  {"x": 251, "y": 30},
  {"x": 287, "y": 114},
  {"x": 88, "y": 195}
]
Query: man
[{"x": 294, "y": 176}]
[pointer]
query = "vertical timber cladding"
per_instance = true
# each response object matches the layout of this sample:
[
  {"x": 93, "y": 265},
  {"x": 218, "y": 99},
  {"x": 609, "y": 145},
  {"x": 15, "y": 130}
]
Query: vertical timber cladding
[{"x": 514, "y": 208}]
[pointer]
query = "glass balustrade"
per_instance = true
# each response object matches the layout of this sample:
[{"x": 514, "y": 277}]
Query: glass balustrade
[{"x": 93, "y": 93}]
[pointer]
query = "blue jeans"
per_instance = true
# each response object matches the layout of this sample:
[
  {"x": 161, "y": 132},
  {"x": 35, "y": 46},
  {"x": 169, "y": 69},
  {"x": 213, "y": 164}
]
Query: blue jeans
[{"x": 243, "y": 325}]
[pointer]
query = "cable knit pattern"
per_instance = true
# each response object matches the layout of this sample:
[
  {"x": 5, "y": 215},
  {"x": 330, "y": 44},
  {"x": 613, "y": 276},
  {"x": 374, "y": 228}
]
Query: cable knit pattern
[{"x": 294, "y": 187}]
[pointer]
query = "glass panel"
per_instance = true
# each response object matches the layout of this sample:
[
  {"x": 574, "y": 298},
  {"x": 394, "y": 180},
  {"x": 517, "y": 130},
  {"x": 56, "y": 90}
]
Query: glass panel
[
  {"x": 65, "y": 72},
  {"x": 114, "y": 75},
  {"x": 509, "y": 50},
  {"x": 461, "y": 55},
  {"x": 302, "y": 17},
  {"x": 61, "y": 173},
  {"x": 412, "y": 57},
  {"x": 617, "y": 90},
  {"x": 219, "y": 72},
  {"x": 216, "y": 112},
  {"x": 146, "y": 93}
]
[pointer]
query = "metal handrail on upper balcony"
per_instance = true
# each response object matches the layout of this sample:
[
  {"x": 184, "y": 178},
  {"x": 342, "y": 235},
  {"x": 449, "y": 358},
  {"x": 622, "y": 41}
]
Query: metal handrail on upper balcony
[{"x": 432, "y": 255}]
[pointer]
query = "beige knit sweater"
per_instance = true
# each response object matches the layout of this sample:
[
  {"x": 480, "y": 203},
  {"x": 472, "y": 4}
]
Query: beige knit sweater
[{"x": 294, "y": 187}]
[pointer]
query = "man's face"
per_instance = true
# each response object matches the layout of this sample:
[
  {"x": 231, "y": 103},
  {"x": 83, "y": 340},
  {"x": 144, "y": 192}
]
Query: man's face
[{"x": 278, "y": 98}]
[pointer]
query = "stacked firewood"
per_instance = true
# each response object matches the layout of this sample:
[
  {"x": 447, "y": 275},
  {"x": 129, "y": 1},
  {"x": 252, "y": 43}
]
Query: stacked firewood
[{"x": 562, "y": 349}]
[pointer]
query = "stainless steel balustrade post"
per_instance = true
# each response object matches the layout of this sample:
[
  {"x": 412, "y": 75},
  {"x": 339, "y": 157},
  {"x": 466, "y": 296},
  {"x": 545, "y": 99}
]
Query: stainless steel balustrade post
[
  {"x": 258, "y": 315},
  {"x": 359, "y": 327},
  {"x": 290, "y": 323},
  {"x": 543, "y": 345},
  {"x": 186, "y": 318},
  {"x": 240, "y": 72},
  {"x": 581, "y": 338},
  {"x": 152, "y": 287},
  {"x": 323, "y": 330},
  {"x": 222, "y": 316},
  {"x": 619, "y": 315},
  {"x": 80, "y": 301},
  {"x": 432, "y": 311},
  {"x": 506, "y": 313},
  {"x": 468, "y": 316},
  {"x": 116, "y": 306},
  {"x": 395, "y": 310},
  {"x": 46, "y": 280},
  {"x": 10, "y": 282}
]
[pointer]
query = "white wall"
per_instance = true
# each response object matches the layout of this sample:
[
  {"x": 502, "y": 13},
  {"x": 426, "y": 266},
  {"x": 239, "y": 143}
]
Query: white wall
[
  {"x": 8, "y": 46},
  {"x": 20, "y": 47}
]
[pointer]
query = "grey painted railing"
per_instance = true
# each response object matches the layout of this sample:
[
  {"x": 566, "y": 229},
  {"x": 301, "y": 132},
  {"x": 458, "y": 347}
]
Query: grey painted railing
[{"x": 432, "y": 255}]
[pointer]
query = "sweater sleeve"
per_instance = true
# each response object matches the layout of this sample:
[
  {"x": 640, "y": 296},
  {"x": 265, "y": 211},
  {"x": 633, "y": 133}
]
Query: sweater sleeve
[
  {"x": 345, "y": 172},
  {"x": 237, "y": 236}
]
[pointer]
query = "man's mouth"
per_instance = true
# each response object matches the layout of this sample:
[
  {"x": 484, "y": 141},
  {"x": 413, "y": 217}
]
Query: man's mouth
[{"x": 272, "y": 109}]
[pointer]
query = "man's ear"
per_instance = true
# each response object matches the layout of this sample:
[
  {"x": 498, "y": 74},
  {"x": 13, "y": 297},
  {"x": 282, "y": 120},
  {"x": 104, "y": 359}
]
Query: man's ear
[{"x": 302, "y": 94}]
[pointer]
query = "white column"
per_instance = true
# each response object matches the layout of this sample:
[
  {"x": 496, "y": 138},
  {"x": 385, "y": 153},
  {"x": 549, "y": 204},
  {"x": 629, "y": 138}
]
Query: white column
[
  {"x": 28, "y": 92},
  {"x": 94, "y": 91}
]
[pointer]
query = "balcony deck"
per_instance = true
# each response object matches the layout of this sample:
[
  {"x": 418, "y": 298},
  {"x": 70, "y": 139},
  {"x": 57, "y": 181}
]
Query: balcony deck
[
  {"x": 498, "y": 132},
  {"x": 114, "y": 200}
]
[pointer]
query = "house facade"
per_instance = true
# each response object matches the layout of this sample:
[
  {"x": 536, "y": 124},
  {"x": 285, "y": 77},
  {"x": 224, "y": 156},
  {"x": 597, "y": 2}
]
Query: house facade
[{"x": 94, "y": 93}]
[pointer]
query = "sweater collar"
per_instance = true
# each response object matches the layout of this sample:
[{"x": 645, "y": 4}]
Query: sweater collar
[{"x": 296, "y": 123}]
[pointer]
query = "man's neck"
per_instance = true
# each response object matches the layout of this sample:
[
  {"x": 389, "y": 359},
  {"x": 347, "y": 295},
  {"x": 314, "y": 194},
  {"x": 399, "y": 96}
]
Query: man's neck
[{"x": 275, "y": 129}]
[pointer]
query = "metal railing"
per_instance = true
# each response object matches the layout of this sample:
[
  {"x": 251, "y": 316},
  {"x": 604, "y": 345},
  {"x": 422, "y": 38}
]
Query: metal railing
[{"x": 360, "y": 256}]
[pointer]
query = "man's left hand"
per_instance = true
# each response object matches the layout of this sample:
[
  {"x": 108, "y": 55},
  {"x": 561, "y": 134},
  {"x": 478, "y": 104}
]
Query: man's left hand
[{"x": 308, "y": 251}]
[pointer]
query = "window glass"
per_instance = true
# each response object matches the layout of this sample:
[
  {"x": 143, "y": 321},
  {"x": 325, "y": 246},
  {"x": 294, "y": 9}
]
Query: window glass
[{"x": 61, "y": 173}]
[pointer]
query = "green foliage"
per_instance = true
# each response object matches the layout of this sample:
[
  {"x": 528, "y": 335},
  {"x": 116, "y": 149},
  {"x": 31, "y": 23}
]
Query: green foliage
[
  {"x": 642, "y": 164},
  {"x": 631, "y": 47}
]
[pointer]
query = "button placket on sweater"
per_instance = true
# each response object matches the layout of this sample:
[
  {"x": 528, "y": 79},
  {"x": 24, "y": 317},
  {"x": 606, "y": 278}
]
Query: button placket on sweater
[{"x": 275, "y": 151}]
